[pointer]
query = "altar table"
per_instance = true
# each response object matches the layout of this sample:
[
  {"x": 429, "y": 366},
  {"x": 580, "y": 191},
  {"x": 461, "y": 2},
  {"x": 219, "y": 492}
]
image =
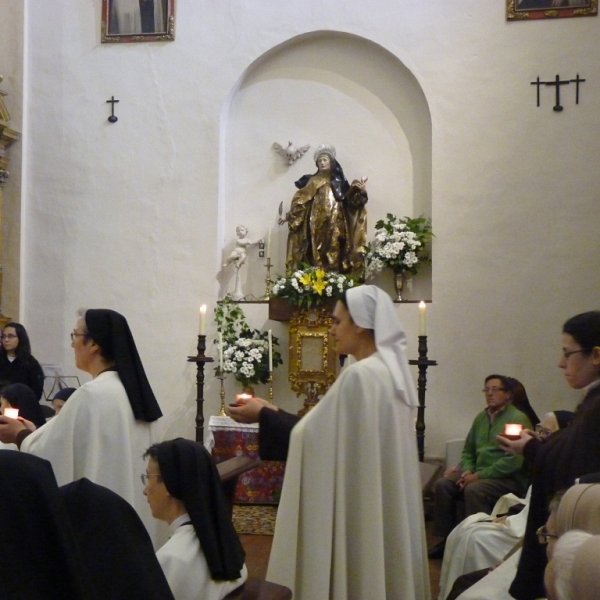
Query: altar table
[{"x": 227, "y": 439}]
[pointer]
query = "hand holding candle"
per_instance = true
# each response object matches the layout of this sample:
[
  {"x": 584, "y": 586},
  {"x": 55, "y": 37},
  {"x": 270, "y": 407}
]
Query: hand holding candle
[
  {"x": 11, "y": 413},
  {"x": 512, "y": 431},
  {"x": 202, "y": 330},
  {"x": 422, "y": 324}
]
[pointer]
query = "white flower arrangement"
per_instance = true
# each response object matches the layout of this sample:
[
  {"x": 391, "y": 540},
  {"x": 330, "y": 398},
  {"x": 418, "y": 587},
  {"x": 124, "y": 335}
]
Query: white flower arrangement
[
  {"x": 245, "y": 350},
  {"x": 399, "y": 244},
  {"x": 312, "y": 285}
]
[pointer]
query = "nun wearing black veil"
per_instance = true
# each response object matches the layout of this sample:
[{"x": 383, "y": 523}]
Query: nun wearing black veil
[
  {"x": 107, "y": 424},
  {"x": 78, "y": 542},
  {"x": 204, "y": 557}
]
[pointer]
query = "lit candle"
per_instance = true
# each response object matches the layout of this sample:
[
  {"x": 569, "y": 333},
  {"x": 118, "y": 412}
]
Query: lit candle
[
  {"x": 243, "y": 396},
  {"x": 513, "y": 429},
  {"x": 11, "y": 413},
  {"x": 269, "y": 243},
  {"x": 270, "y": 351},
  {"x": 220, "y": 353},
  {"x": 203, "y": 320},
  {"x": 422, "y": 309}
]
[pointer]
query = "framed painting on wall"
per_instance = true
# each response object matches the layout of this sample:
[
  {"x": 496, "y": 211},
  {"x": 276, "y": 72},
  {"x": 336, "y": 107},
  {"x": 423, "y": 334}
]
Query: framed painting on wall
[
  {"x": 518, "y": 10},
  {"x": 138, "y": 21}
]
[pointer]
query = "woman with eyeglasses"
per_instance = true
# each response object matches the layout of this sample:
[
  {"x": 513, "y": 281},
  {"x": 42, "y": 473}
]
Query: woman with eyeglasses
[
  {"x": 17, "y": 365},
  {"x": 565, "y": 455}
]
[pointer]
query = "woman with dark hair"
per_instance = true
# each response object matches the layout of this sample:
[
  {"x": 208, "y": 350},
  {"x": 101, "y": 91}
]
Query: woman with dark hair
[
  {"x": 18, "y": 395},
  {"x": 103, "y": 430},
  {"x": 16, "y": 363},
  {"x": 327, "y": 220},
  {"x": 565, "y": 455}
]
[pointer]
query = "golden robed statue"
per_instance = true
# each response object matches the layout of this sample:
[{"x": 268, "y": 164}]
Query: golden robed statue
[{"x": 327, "y": 219}]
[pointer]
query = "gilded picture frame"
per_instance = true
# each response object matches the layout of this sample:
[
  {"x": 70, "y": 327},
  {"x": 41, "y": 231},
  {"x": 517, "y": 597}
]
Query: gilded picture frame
[
  {"x": 522, "y": 10},
  {"x": 313, "y": 361},
  {"x": 126, "y": 21}
]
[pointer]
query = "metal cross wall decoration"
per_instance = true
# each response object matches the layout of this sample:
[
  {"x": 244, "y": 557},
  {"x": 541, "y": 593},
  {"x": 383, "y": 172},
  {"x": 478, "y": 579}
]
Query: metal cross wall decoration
[{"x": 557, "y": 82}]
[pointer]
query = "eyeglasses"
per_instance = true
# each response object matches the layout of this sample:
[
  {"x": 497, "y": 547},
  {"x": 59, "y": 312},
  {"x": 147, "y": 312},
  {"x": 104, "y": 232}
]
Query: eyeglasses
[
  {"x": 570, "y": 353},
  {"x": 494, "y": 389},
  {"x": 543, "y": 536},
  {"x": 147, "y": 476},
  {"x": 8, "y": 336},
  {"x": 542, "y": 431},
  {"x": 74, "y": 335}
]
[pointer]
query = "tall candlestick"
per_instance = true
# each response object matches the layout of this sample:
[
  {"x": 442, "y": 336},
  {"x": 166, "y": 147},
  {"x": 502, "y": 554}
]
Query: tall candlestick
[
  {"x": 269, "y": 243},
  {"x": 270, "y": 351},
  {"x": 220, "y": 353},
  {"x": 422, "y": 309},
  {"x": 202, "y": 330}
]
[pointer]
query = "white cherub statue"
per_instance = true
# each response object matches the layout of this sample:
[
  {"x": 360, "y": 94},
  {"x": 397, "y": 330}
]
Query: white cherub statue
[{"x": 238, "y": 256}]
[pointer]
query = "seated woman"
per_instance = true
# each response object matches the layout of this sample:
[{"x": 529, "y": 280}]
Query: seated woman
[
  {"x": 19, "y": 395},
  {"x": 203, "y": 557},
  {"x": 481, "y": 540},
  {"x": 579, "y": 508},
  {"x": 577, "y": 519}
]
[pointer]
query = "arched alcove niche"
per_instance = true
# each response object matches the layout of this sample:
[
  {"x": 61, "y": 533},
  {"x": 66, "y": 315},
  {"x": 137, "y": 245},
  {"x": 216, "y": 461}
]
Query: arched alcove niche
[{"x": 321, "y": 87}]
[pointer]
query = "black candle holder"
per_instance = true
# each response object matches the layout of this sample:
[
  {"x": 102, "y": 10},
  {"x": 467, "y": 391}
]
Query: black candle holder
[
  {"x": 423, "y": 363},
  {"x": 200, "y": 359}
]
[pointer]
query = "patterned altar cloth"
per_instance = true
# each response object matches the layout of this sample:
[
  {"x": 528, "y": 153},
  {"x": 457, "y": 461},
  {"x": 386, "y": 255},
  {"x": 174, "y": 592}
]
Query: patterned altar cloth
[{"x": 227, "y": 439}]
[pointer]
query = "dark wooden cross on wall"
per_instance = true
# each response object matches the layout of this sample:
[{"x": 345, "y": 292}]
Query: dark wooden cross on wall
[
  {"x": 112, "y": 102},
  {"x": 557, "y": 82}
]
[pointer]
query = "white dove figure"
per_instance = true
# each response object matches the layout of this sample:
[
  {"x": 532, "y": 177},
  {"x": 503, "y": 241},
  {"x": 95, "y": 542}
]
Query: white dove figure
[{"x": 291, "y": 153}]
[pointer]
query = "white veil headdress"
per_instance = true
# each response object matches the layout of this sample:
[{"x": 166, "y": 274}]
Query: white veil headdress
[{"x": 370, "y": 307}]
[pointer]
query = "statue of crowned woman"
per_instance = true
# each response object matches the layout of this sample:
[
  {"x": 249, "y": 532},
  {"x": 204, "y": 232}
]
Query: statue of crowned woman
[{"x": 327, "y": 219}]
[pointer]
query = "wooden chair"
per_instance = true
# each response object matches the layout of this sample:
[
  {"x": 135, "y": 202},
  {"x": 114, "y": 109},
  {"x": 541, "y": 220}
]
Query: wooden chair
[
  {"x": 253, "y": 589},
  {"x": 256, "y": 589},
  {"x": 230, "y": 470}
]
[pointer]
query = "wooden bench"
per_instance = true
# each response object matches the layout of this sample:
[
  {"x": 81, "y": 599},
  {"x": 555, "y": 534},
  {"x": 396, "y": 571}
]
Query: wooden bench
[{"x": 256, "y": 589}]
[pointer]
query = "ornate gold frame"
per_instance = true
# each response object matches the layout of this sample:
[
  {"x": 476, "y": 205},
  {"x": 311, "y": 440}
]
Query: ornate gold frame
[
  {"x": 547, "y": 11},
  {"x": 313, "y": 366},
  {"x": 157, "y": 36}
]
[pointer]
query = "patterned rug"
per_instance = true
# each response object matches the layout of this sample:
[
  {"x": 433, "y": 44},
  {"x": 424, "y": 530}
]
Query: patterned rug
[{"x": 254, "y": 519}]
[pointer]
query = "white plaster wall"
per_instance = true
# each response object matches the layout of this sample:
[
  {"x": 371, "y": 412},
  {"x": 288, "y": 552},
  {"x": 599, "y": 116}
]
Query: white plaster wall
[{"x": 129, "y": 216}]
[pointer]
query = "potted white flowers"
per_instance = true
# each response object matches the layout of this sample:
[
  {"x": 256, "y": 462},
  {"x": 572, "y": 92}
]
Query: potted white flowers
[
  {"x": 399, "y": 245},
  {"x": 245, "y": 350}
]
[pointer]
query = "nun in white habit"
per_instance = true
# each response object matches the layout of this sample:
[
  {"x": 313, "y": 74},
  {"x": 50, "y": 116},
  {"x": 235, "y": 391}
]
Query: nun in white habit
[{"x": 350, "y": 522}]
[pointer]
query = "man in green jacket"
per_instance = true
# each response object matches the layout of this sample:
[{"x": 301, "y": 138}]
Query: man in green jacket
[{"x": 486, "y": 472}]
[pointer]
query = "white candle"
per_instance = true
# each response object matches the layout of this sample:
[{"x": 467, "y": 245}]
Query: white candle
[
  {"x": 11, "y": 413},
  {"x": 202, "y": 330},
  {"x": 269, "y": 243},
  {"x": 270, "y": 351},
  {"x": 220, "y": 353},
  {"x": 422, "y": 309}
]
